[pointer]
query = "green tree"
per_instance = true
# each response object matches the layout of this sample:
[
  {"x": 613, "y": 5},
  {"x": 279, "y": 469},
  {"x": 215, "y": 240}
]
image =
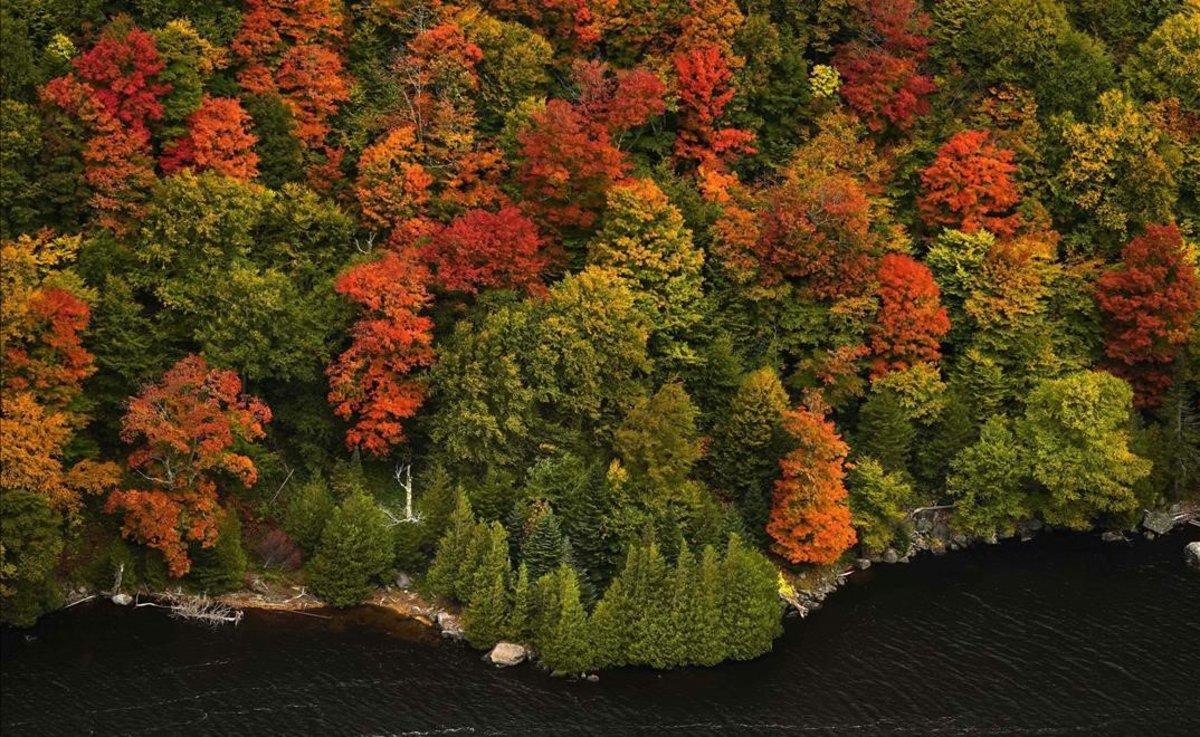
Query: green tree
[
  {"x": 747, "y": 444},
  {"x": 520, "y": 620},
  {"x": 20, "y": 188},
  {"x": 647, "y": 591},
  {"x": 32, "y": 543},
  {"x": 1076, "y": 431},
  {"x": 710, "y": 645},
  {"x": 988, "y": 481},
  {"x": 447, "y": 574},
  {"x": 658, "y": 441},
  {"x": 355, "y": 550},
  {"x": 486, "y": 617},
  {"x": 566, "y": 647},
  {"x": 1165, "y": 63},
  {"x": 544, "y": 549},
  {"x": 879, "y": 505},
  {"x": 307, "y": 512},
  {"x": 609, "y": 627},
  {"x": 222, "y": 567},
  {"x": 750, "y": 605},
  {"x": 885, "y": 431}
]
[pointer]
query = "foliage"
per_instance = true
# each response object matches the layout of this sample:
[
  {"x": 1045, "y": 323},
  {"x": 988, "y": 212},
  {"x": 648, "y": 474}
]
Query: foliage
[
  {"x": 355, "y": 550},
  {"x": 222, "y": 567}
]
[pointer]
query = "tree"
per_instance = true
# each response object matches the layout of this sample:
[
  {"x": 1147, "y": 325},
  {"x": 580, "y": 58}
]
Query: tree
[
  {"x": 1159, "y": 68},
  {"x": 969, "y": 186},
  {"x": 520, "y": 618},
  {"x": 658, "y": 440},
  {"x": 750, "y": 606},
  {"x": 608, "y": 627},
  {"x": 33, "y": 540},
  {"x": 393, "y": 186},
  {"x": 307, "y": 512},
  {"x": 711, "y": 643},
  {"x": 747, "y": 444},
  {"x": 219, "y": 138},
  {"x": 1076, "y": 434},
  {"x": 911, "y": 320},
  {"x": 222, "y": 567},
  {"x": 810, "y": 520},
  {"x": 646, "y": 582},
  {"x": 486, "y": 617},
  {"x": 643, "y": 238},
  {"x": 355, "y": 550},
  {"x": 1149, "y": 302},
  {"x": 988, "y": 481},
  {"x": 565, "y": 647},
  {"x": 879, "y": 505},
  {"x": 544, "y": 547},
  {"x": 185, "y": 428},
  {"x": 481, "y": 249},
  {"x": 705, "y": 90},
  {"x": 370, "y": 381},
  {"x": 449, "y": 573},
  {"x": 21, "y": 191}
]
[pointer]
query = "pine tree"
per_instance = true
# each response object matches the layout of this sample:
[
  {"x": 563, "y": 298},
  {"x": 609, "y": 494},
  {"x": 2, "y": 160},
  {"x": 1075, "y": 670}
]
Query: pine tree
[
  {"x": 452, "y": 550},
  {"x": 520, "y": 618},
  {"x": 685, "y": 635},
  {"x": 485, "y": 620},
  {"x": 710, "y": 647},
  {"x": 222, "y": 567},
  {"x": 356, "y": 547},
  {"x": 646, "y": 582},
  {"x": 307, "y": 512},
  {"x": 750, "y": 603},
  {"x": 544, "y": 548},
  {"x": 885, "y": 431},
  {"x": 609, "y": 627},
  {"x": 566, "y": 648}
]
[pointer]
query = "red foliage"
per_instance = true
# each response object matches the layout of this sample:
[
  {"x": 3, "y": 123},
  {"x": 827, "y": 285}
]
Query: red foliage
[
  {"x": 705, "y": 90},
  {"x": 574, "y": 24},
  {"x": 969, "y": 186},
  {"x": 481, "y": 249},
  {"x": 817, "y": 231},
  {"x": 184, "y": 428},
  {"x": 810, "y": 513},
  {"x": 569, "y": 158},
  {"x": 219, "y": 138},
  {"x": 911, "y": 320},
  {"x": 291, "y": 47},
  {"x": 881, "y": 74},
  {"x": 370, "y": 380},
  {"x": 122, "y": 71},
  {"x": 1150, "y": 302}
]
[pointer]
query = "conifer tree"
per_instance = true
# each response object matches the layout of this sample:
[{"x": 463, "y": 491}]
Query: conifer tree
[
  {"x": 221, "y": 568},
  {"x": 544, "y": 548},
  {"x": 609, "y": 627},
  {"x": 452, "y": 550},
  {"x": 566, "y": 646},
  {"x": 520, "y": 618},
  {"x": 485, "y": 620},
  {"x": 356, "y": 548},
  {"x": 684, "y": 613},
  {"x": 750, "y": 602},
  {"x": 646, "y": 583},
  {"x": 710, "y": 646}
]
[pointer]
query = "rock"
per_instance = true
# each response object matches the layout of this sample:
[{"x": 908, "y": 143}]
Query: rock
[
  {"x": 863, "y": 564},
  {"x": 890, "y": 556},
  {"x": 905, "y": 559},
  {"x": 593, "y": 678},
  {"x": 961, "y": 540},
  {"x": 403, "y": 581},
  {"x": 938, "y": 547},
  {"x": 450, "y": 625},
  {"x": 992, "y": 539},
  {"x": 505, "y": 654},
  {"x": 1150, "y": 535},
  {"x": 122, "y": 599},
  {"x": 1112, "y": 536},
  {"x": 1191, "y": 554},
  {"x": 1160, "y": 523}
]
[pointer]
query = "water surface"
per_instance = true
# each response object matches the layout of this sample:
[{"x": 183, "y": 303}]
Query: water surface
[{"x": 1062, "y": 636}]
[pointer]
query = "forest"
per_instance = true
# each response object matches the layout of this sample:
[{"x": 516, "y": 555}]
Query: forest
[{"x": 600, "y": 319}]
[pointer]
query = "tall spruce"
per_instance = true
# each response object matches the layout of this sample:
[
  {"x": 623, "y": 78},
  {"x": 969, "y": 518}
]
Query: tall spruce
[
  {"x": 453, "y": 550},
  {"x": 750, "y": 606},
  {"x": 565, "y": 646}
]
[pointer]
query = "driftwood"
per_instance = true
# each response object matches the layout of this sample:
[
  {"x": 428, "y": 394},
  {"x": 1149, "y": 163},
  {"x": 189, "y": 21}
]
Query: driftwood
[{"x": 195, "y": 608}]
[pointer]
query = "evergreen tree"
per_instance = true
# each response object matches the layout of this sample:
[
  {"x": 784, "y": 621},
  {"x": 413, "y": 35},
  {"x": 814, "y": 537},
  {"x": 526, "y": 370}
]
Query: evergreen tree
[
  {"x": 520, "y": 618},
  {"x": 658, "y": 441},
  {"x": 646, "y": 584},
  {"x": 879, "y": 505},
  {"x": 355, "y": 549},
  {"x": 885, "y": 431},
  {"x": 436, "y": 505},
  {"x": 609, "y": 627},
  {"x": 747, "y": 444},
  {"x": 222, "y": 567},
  {"x": 544, "y": 548},
  {"x": 684, "y": 614},
  {"x": 565, "y": 646},
  {"x": 750, "y": 604},
  {"x": 485, "y": 620},
  {"x": 307, "y": 512},
  {"x": 710, "y": 644},
  {"x": 453, "y": 550}
]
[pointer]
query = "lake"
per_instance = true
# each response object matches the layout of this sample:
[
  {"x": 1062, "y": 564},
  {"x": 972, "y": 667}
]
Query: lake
[{"x": 1065, "y": 635}]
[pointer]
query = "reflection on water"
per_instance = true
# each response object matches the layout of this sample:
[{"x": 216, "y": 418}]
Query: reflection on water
[{"x": 1065, "y": 635}]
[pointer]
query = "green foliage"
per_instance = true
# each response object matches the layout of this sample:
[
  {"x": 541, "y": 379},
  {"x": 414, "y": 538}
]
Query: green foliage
[
  {"x": 486, "y": 617},
  {"x": 20, "y": 189},
  {"x": 355, "y": 550},
  {"x": 988, "y": 482},
  {"x": 658, "y": 441},
  {"x": 280, "y": 155},
  {"x": 448, "y": 575},
  {"x": 564, "y": 646},
  {"x": 544, "y": 548},
  {"x": 28, "y": 553},
  {"x": 879, "y": 504},
  {"x": 308, "y": 510},
  {"x": 222, "y": 567},
  {"x": 750, "y": 605}
]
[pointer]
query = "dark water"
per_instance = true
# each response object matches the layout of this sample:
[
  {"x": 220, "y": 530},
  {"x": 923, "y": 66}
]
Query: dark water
[{"x": 1063, "y": 636}]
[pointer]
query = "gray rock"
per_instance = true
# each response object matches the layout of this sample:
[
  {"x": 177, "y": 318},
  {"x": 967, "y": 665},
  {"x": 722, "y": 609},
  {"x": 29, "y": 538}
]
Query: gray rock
[
  {"x": 890, "y": 556},
  {"x": 505, "y": 654},
  {"x": 1160, "y": 523},
  {"x": 403, "y": 581},
  {"x": 1191, "y": 554},
  {"x": 863, "y": 563},
  {"x": 905, "y": 559},
  {"x": 450, "y": 625},
  {"x": 1112, "y": 536},
  {"x": 122, "y": 599},
  {"x": 593, "y": 678}
]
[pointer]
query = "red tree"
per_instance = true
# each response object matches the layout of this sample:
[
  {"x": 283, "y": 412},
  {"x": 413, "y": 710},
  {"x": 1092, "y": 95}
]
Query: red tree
[
  {"x": 370, "y": 381},
  {"x": 569, "y": 159},
  {"x": 969, "y": 186},
  {"x": 911, "y": 320},
  {"x": 810, "y": 514},
  {"x": 219, "y": 138},
  {"x": 705, "y": 90},
  {"x": 184, "y": 428},
  {"x": 881, "y": 74},
  {"x": 122, "y": 71},
  {"x": 1150, "y": 302},
  {"x": 481, "y": 249}
]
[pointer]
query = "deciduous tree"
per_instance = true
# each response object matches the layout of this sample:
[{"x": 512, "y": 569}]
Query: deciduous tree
[{"x": 969, "y": 186}]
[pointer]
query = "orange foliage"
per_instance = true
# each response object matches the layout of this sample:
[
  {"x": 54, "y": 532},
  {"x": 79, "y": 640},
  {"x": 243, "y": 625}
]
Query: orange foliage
[
  {"x": 184, "y": 428},
  {"x": 219, "y": 138},
  {"x": 370, "y": 380},
  {"x": 705, "y": 90},
  {"x": 969, "y": 186},
  {"x": 911, "y": 319},
  {"x": 810, "y": 514},
  {"x": 392, "y": 187},
  {"x": 1150, "y": 303}
]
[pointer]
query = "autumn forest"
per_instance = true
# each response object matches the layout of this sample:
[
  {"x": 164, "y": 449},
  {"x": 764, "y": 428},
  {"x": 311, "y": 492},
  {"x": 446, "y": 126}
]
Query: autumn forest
[{"x": 605, "y": 322}]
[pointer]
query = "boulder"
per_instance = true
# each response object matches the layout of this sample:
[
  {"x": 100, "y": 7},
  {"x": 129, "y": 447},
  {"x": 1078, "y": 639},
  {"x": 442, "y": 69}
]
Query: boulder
[
  {"x": 890, "y": 556},
  {"x": 505, "y": 654},
  {"x": 122, "y": 599},
  {"x": 1113, "y": 536},
  {"x": 403, "y": 581},
  {"x": 863, "y": 563},
  {"x": 1191, "y": 554},
  {"x": 1160, "y": 523},
  {"x": 450, "y": 625}
]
